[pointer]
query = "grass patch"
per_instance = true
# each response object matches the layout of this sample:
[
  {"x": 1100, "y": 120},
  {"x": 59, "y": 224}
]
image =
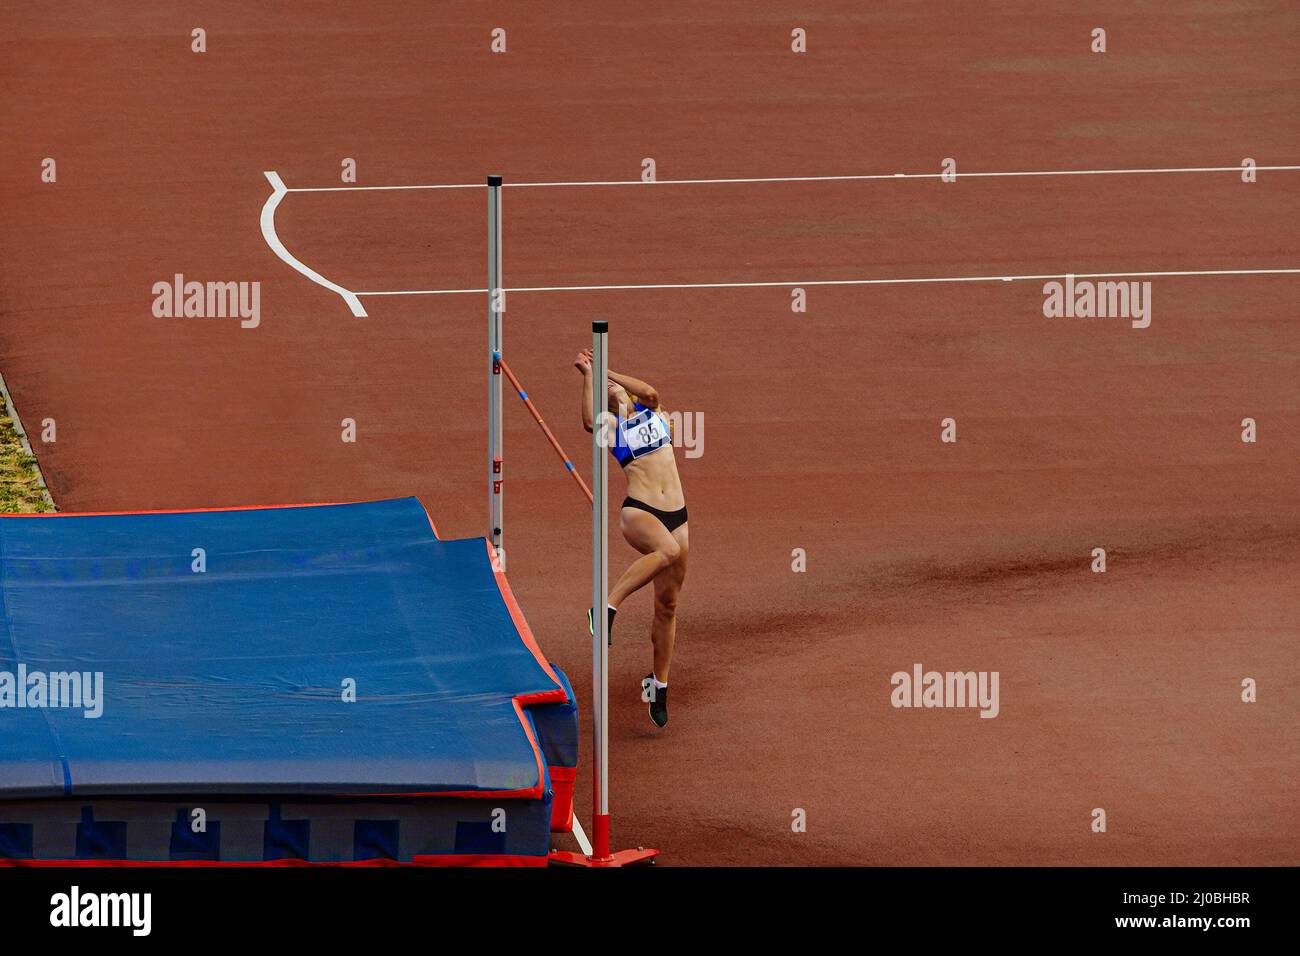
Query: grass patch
[{"x": 20, "y": 491}]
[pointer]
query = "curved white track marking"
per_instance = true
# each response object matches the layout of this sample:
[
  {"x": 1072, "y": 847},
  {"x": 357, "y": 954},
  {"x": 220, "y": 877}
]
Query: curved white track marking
[
  {"x": 790, "y": 283},
  {"x": 354, "y": 301},
  {"x": 268, "y": 233},
  {"x": 817, "y": 179}
]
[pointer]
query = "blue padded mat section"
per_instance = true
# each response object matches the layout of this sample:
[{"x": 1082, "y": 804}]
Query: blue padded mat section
[
  {"x": 557, "y": 726},
  {"x": 231, "y": 681}
]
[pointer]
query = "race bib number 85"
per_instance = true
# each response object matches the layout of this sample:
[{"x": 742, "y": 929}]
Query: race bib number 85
[{"x": 644, "y": 433}]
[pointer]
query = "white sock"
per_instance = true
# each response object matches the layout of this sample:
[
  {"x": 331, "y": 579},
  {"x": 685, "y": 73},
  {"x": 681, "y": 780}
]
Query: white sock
[{"x": 659, "y": 685}]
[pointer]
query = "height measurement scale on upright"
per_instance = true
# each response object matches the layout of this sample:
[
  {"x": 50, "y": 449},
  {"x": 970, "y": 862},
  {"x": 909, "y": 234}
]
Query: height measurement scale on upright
[{"x": 496, "y": 305}]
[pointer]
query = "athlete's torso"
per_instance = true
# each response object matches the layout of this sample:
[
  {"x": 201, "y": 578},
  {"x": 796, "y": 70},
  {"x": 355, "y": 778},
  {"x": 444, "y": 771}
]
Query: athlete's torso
[{"x": 643, "y": 446}]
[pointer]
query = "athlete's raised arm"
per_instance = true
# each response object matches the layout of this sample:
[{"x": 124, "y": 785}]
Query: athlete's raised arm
[
  {"x": 583, "y": 364},
  {"x": 643, "y": 392}
]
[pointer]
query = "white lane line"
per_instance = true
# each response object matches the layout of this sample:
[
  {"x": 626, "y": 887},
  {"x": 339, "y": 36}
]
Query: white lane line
[
  {"x": 278, "y": 192},
  {"x": 428, "y": 292},
  {"x": 349, "y": 189},
  {"x": 813, "y": 179},
  {"x": 790, "y": 283},
  {"x": 954, "y": 175}
]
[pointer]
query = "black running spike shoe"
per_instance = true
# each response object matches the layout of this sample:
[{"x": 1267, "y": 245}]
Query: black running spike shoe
[
  {"x": 657, "y": 698},
  {"x": 609, "y": 626}
]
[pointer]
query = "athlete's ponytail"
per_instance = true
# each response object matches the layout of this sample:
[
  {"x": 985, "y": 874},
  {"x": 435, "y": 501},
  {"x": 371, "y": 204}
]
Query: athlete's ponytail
[{"x": 669, "y": 419}]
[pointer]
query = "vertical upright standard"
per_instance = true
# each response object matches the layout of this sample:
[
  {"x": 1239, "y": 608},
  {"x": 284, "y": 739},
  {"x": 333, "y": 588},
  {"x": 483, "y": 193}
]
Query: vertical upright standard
[
  {"x": 599, "y": 591},
  {"x": 602, "y": 437},
  {"x": 496, "y": 305}
]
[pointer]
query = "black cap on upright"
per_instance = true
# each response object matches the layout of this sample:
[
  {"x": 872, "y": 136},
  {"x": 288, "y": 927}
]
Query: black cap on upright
[
  {"x": 494, "y": 180},
  {"x": 600, "y": 326}
]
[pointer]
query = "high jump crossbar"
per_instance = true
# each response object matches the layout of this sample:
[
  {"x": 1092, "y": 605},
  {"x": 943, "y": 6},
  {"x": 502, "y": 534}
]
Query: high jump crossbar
[{"x": 537, "y": 417}]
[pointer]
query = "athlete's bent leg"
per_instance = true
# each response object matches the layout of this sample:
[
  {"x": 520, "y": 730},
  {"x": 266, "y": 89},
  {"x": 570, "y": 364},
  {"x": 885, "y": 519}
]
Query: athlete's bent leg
[
  {"x": 658, "y": 548},
  {"x": 668, "y": 585}
]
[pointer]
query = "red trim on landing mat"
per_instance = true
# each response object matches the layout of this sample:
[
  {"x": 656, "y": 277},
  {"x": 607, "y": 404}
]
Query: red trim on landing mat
[
  {"x": 186, "y": 511},
  {"x": 525, "y": 635},
  {"x": 556, "y": 696},
  {"x": 562, "y": 782},
  {"x": 449, "y": 859},
  {"x": 430, "y": 517}
]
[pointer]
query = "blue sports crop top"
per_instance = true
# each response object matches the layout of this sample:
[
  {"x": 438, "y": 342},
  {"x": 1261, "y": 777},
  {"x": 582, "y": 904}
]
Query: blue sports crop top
[{"x": 639, "y": 434}]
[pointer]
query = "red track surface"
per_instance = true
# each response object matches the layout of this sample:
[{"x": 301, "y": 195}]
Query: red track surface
[{"x": 821, "y": 430}]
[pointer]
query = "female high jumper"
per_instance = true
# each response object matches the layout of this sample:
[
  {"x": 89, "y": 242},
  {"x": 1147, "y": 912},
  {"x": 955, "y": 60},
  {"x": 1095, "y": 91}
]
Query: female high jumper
[{"x": 653, "y": 516}]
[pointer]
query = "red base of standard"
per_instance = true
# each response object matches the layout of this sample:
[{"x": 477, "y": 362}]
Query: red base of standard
[
  {"x": 601, "y": 855},
  {"x": 615, "y": 859}
]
